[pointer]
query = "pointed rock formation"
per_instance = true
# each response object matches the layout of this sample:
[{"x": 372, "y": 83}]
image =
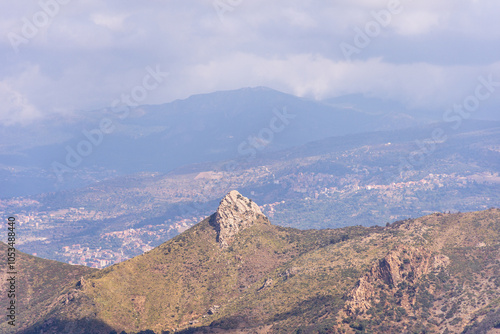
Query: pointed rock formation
[{"x": 234, "y": 214}]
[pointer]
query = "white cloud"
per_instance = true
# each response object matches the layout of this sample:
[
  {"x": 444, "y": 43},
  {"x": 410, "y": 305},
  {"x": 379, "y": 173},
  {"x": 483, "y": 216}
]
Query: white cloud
[
  {"x": 15, "y": 108},
  {"x": 298, "y": 18},
  {"x": 94, "y": 51},
  {"x": 417, "y": 85},
  {"x": 417, "y": 22},
  {"x": 113, "y": 22}
]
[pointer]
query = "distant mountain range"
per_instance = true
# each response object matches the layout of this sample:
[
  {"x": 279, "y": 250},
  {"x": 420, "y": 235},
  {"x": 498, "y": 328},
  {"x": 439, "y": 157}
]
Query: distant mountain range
[
  {"x": 67, "y": 152},
  {"x": 235, "y": 272}
]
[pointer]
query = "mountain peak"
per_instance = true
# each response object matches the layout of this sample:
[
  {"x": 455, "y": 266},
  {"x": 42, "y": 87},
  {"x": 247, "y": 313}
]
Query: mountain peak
[{"x": 234, "y": 214}]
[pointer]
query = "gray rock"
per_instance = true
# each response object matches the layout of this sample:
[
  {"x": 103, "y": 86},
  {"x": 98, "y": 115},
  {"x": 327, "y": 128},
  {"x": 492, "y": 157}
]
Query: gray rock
[{"x": 234, "y": 214}]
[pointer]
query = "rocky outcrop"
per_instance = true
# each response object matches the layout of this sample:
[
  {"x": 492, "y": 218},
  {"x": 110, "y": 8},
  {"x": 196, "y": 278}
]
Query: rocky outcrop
[
  {"x": 267, "y": 283},
  {"x": 234, "y": 214},
  {"x": 405, "y": 264},
  {"x": 290, "y": 272}
]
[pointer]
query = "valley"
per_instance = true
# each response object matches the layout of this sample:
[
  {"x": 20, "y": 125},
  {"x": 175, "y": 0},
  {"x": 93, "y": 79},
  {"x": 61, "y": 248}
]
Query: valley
[{"x": 331, "y": 183}]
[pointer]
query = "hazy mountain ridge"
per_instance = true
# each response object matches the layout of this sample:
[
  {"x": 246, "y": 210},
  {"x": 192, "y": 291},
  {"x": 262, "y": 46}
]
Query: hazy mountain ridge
[
  {"x": 436, "y": 272},
  {"x": 207, "y": 127}
]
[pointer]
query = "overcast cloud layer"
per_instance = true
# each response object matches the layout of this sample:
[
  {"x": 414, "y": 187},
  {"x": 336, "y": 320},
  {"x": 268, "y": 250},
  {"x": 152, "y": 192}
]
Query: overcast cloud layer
[{"x": 63, "y": 56}]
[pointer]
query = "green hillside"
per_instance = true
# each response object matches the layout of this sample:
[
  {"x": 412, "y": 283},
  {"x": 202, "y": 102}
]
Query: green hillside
[
  {"x": 427, "y": 275},
  {"x": 40, "y": 284}
]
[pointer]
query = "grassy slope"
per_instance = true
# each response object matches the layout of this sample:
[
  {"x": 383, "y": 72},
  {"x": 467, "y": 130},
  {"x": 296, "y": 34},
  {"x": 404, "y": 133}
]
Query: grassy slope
[
  {"x": 290, "y": 279},
  {"x": 39, "y": 283},
  {"x": 179, "y": 281},
  {"x": 462, "y": 296}
]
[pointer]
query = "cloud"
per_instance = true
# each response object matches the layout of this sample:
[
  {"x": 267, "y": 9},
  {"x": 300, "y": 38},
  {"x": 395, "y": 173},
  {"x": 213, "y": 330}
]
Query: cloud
[
  {"x": 417, "y": 23},
  {"x": 15, "y": 108},
  {"x": 92, "y": 52},
  {"x": 418, "y": 85},
  {"x": 113, "y": 22}
]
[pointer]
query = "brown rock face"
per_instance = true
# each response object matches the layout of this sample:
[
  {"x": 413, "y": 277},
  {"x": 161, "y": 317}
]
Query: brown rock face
[
  {"x": 234, "y": 214},
  {"x": 403, "y": 264}
]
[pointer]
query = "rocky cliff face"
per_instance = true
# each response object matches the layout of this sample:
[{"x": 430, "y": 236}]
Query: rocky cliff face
[
  {"x": 234, "y": 214},
  {"x": 405, "y": 264}
]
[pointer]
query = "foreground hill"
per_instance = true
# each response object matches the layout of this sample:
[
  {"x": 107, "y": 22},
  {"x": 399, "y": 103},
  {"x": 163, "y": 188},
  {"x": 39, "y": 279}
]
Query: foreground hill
[
  {"x": 39, "y": 284},
  {"x": 234, "y": 272}
]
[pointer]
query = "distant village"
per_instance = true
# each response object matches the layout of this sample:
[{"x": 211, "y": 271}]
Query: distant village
[{"x": 117, "y": 246}]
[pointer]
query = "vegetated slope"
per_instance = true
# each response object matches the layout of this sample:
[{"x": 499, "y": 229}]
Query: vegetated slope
[
  {"x": 180, "y": 281},
  {"x": 38, "y": 286},
  {"x": 438, "y": 273},
  {"x": 235, "y": 272}
]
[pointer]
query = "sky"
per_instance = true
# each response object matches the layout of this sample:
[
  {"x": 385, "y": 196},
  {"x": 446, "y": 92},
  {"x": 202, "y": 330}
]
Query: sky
[{"x": 68, "y": 56}]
